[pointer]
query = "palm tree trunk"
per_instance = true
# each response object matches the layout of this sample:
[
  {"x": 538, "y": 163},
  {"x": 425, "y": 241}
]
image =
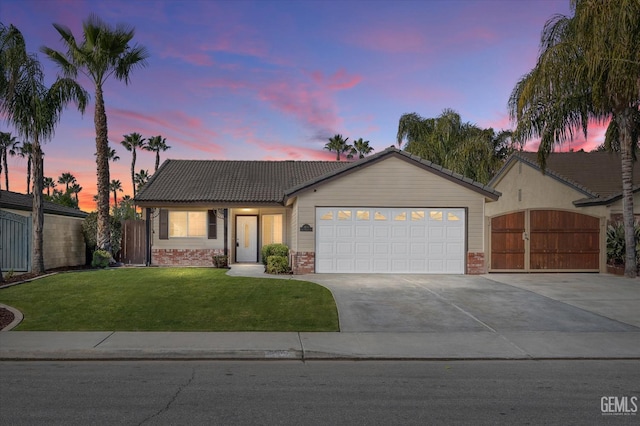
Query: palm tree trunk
[
  {"x": 37, "y": 257},
  {"x": 102, "y": 163},
  {"x": 133, "y": 169},
  {"x": 6, "y": 169},
  {"x": 29, "y": 172},
  {"x": 625, "y": 123},
  {"x": 157, "y": 160}
]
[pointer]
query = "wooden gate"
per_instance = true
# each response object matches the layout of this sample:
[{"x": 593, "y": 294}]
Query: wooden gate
[
  {"x": 133, "y": 242},
  {"x": 15, "y": 242},
  {"x": 537, "y": 240}
]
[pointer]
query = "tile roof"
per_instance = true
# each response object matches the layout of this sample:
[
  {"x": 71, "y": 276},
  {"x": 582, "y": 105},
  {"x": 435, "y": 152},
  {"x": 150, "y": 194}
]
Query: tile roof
[
  {"x": 222, "y": 181},
  {"x": 598, "y": 175},
  {"x": 17, "y": 201}
]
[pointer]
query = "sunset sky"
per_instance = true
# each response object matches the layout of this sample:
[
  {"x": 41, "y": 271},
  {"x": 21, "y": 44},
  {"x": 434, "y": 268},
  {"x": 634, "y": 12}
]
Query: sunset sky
[{"x": 273, "y": 80}]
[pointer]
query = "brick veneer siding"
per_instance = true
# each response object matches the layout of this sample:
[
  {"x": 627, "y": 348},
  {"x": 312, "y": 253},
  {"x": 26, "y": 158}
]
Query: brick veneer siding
[
  {"x": 476, "y": 264},
  {"x": 303, "y": 262},
  {"x": 184, "y": 257}
]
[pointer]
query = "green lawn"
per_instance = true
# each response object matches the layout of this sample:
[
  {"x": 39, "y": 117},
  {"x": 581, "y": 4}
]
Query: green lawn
[{"x": 170, "y": 299}]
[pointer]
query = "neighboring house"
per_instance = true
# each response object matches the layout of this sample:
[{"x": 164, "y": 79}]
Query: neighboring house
[
  {"x": 555, "y": 221},
  {"x": 390, "y": 212},
  {"x": 63, "y": 242}
]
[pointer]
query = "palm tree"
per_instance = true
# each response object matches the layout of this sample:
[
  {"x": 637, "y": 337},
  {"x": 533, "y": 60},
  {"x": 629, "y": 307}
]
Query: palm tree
[
  {"x": 338, "y": 144},
  {"x": 8, "y": 146},
  {"x": 115, "y": 186},
  {"x": 26, "y": 151},
  {"x": 66, "y": 179},
  {"x": 131, "y": 142},
  {"x": 156, "y": 144},
  {"x": 104, "y": 52},
  {"x": 360, "y": 148},
  {"x": 141, "y": 178},
  {"x": 49, "y": 183},
  {"x": 34, "y": 110},
  {"x": 456, "y": 145},
  {"x": 112, "y": 155},
  {"x": 75, "y": 189},
  {"x": 588, "y": 69}
]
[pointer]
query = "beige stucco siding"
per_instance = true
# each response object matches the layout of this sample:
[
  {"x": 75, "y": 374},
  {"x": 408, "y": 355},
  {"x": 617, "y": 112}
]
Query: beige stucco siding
[{"x": 391, "y": 182}]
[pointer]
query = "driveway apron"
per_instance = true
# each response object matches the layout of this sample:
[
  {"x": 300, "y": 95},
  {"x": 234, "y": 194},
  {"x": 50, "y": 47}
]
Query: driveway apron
[{"x": 452, "y": 303}]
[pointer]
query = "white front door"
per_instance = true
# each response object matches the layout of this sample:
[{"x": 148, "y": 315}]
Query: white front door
[{"x": 246, "y": 238}]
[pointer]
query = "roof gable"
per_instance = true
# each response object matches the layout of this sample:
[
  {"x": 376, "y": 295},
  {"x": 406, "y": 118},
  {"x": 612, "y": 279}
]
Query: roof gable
[
  {"x": 596, "y": 175},
  {"x": 414, "y": 160}
]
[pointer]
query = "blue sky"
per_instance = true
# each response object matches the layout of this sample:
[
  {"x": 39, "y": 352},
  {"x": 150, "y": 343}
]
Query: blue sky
[{"x": 274, "y": 80}]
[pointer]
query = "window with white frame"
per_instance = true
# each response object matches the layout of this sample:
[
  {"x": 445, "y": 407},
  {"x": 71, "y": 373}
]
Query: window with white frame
[
  {"x": 187, "y": 224},
  {"x": 271, "y": 229}
]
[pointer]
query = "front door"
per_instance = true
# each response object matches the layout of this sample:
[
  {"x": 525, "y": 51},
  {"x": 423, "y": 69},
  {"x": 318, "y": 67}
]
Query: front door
[{"x": 246, "y": 238}]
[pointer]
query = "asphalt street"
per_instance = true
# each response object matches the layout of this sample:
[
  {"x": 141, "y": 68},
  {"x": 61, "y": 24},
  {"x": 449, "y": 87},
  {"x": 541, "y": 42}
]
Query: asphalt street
[{"x": 319, "y": 392}]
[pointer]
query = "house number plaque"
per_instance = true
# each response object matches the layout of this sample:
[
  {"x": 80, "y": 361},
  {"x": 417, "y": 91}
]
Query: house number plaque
[{"x": 306, "y": 228}]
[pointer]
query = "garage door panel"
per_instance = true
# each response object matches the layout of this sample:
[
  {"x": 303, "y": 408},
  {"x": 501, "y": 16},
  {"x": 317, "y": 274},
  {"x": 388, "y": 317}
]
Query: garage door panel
[{"x": 403, "y": 240}]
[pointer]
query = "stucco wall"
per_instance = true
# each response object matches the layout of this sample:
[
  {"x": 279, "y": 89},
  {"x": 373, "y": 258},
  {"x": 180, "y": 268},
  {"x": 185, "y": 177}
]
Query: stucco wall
[
  {"x": 391, "y": 182},
  {"x": 63, "y": 242}
]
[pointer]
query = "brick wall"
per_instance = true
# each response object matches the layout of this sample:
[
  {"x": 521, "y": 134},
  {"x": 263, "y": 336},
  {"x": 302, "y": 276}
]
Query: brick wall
[
  {"x": 476, "y": 264},
  {"x": 184, "y": 257},
  {"x": 303, "y": 262}
]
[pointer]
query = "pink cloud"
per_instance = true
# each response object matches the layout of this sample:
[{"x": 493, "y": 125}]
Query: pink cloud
[
  {"x": 195, "y": 58},
  {"x": 340, "y": 80},
  {"x": 401, "y": 39}
]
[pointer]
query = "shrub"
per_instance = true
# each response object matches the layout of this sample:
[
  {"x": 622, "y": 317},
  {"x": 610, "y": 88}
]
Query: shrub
[
  {"x": 220, "y": 261},
  {"x": 274, "y": 250},
  {"x": 100, "y": 259},
  {"x": 278, "y": 265},
  {"x": 90, "y": 232},
  {"x": 616, "y": 243}
]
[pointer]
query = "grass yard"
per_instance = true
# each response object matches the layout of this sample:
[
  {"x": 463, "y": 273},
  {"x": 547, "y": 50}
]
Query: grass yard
[{"x": 170, "y": 299}]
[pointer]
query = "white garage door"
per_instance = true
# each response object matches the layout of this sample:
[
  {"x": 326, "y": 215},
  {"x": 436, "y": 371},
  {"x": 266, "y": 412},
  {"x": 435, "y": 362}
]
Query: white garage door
[{"x": 390, "y": 240}]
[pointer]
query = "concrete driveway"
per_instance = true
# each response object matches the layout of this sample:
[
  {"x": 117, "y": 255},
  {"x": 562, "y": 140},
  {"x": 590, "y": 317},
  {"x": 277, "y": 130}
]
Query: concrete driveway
[{"x": 499, "y": 303}]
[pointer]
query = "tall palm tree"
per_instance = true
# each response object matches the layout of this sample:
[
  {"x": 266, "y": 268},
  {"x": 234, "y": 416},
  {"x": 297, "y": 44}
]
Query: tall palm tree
[
  {"x": 338, "y": 144},
  {"x": 26, "y": 151},
  {"x": 361, "y": 148},
  {"x": 66, "y": 179},
  {"x": 115, "y": 186},
  {"x": 75, "y": 189},
  {"x": 588, "y": 69},
  {"x": 104, "y": 52},
  {"x": 34, "y": 110},
  {"x": 131, "y": 142},
  {"x": 156, "y": 144},
  {"x": 141, "y": 178},
  {"x": 49, "y": 183},
  {"x": 456, "y": 145},
  {"x": 8, "y": 145}
]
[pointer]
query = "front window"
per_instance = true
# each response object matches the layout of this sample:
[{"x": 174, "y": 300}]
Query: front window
[
  {"x": 187, "y": 224},
  {"x": 271, "y": 229}
]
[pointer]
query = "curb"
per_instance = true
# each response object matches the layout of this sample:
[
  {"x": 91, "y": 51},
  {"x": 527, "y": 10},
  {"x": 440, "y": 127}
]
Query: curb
[{"x": 17, "y": 317}]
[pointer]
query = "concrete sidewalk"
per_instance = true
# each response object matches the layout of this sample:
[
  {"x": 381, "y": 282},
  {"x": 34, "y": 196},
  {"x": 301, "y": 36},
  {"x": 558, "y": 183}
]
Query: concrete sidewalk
[{"x": 36, "y": 345}]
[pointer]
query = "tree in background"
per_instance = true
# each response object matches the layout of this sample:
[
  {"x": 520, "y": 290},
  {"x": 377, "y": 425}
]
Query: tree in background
[
  {"x": 588, "y": 69},
  {"x": 156, "y": 144},
  {"x": 104, "y": 52},
  {"x": 361, "y": 148},
  {"x": 66, "y": 179},
  {"x": 34, "y": 110},
  {"x": 140, "y": 179},
  {"x": 339, "y": 145},
  {"x": 8, "y": 146},
  {"x": 49, "y": 183},
  {"x": 115, "y": 186},
  {"x": 75, "y": 190},
  {"x": 131, "y": 142},
  {"x": 26, "y": 151},
  {"x": 459, "y": 146}
]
